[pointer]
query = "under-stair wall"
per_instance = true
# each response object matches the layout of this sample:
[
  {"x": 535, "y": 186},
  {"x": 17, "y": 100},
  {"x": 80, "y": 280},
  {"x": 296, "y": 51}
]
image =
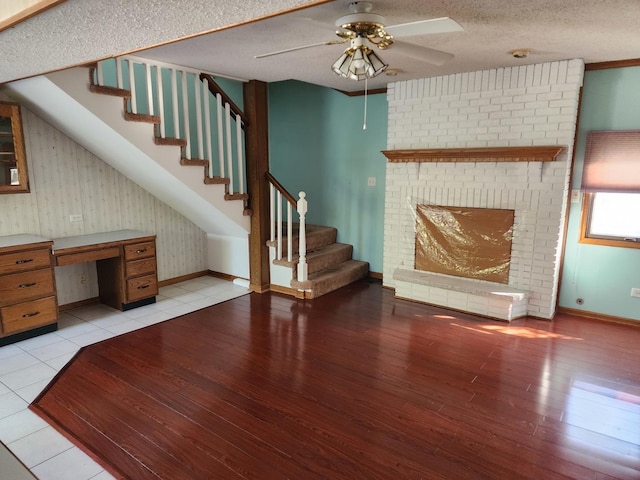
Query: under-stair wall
[{"x": 97, "y": 122}]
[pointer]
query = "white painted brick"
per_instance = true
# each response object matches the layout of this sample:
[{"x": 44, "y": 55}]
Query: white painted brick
[{"x": 518, "y": 186}]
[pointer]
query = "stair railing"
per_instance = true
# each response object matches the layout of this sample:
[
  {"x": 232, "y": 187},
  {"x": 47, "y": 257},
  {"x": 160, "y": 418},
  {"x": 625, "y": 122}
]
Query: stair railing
[
  {"x": 190, "y": 106},
  {"x": 276, "y": 194}
]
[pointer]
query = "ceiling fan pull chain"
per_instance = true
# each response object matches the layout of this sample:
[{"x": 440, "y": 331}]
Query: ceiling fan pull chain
[{"x": 364, "y": 125}]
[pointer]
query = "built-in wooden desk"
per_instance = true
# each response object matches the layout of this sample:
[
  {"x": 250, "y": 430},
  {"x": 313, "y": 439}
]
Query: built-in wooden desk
[{"x": 125, "y": 262}]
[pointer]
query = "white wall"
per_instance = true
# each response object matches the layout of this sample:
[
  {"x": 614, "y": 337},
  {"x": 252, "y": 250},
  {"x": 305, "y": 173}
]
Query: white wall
[
  {"x": 66, "y": 179},
  {"x": 228, "y": 255},
  {"x": 518, "y": 106}
]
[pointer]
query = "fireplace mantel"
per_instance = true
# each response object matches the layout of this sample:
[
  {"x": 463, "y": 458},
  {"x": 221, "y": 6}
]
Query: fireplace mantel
[{"x": 489, "y": 154}]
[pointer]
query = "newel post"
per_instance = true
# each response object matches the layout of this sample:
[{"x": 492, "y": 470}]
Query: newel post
[{"x": 302, "y": 245}]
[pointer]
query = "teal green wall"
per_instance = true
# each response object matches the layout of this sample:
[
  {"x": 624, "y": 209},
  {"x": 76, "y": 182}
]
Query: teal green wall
[
  {"x": 602, "y": 276},
  {"x": 317, "y": 145}
]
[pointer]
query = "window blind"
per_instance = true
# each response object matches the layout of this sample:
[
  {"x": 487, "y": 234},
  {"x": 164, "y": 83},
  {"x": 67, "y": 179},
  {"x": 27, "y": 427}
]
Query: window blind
[{"x": 612, "y": 161}]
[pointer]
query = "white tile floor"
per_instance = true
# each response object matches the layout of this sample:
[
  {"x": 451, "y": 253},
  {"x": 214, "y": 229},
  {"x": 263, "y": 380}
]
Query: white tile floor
[{"x": 27, "y": 367}]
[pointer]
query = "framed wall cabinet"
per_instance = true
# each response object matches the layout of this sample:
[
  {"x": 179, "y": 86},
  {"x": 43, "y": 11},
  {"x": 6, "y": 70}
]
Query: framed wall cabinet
[{"x": 14, "y": 177}]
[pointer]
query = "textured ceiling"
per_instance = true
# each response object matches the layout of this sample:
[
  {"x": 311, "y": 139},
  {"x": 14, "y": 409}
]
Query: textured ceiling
[{"x": 83, "y": 30}]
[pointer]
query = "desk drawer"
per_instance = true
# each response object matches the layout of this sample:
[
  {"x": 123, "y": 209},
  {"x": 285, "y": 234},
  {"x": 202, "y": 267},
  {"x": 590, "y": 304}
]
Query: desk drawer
[
  {"x": 139, "y": 250},
  {"x": 140, "y": 267},
  {"x": 63, "y": 259},
  {"x": 142, "y": 287},
  {"x": 28, "y": 315},
  {"x": 22, "y": 261},
  {"x": 23, "y": 286}
]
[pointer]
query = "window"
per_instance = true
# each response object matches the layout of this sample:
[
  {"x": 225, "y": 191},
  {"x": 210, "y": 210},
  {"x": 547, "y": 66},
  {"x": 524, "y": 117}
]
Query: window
[
  {"x": 611, "y": 181},
  {"x": 611, "y": 219}
]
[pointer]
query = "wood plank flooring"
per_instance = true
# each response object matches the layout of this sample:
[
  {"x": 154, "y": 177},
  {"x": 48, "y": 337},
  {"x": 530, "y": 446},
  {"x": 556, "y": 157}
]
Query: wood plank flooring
[{"x": 355, "y": 385}]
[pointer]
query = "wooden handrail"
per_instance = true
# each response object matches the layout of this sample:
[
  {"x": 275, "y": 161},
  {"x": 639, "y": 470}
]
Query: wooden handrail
[
  {"x": 214, "y": 88},
  {"x": 290, "y": 198}
]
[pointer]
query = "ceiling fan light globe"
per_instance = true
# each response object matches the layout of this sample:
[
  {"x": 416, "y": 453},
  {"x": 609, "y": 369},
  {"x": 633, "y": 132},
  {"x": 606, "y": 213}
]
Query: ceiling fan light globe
[
  {"x": 377, "y": 65},
  {"x": 341, "y": 66},
  {"x": 359, "y": 60},
  {"x": 358, "y": 64}
]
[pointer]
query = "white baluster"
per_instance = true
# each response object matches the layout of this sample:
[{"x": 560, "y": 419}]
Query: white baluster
[
  {"x": 119, "y": 73},
  {"x": 302, "y": 248},
  {"x": 220, "y": 137},
  {"x": 174, "y": 103},
  {"x": 100, "y": 73},
  {"x": 207, "y": 119},
  {"x": 272, "y": 209},
  {"x": 198, "y": 88},
  {"x": 279, "y": 224},
  {"x": 132, "y": 87},
  {"x": 185, "y": 115},
  {"x": 289, "y": 232},
  {"x": 240, "y": 150},
  {"x": 227, "y": 118},
  {"x": 149, "y": 88},
  {"x": 161, "y": 102}
]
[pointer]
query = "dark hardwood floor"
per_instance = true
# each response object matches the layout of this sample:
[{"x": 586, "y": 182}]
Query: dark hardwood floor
[{"x": 355, "y": 385}]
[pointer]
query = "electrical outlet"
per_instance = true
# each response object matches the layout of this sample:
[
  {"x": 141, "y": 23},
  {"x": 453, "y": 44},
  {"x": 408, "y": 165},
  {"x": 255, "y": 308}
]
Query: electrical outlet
[
  {"x": 635, "y": 292},
  {"x": 75, "y": 217},
  {"x": 82, "y": 280},
  {"x": 371, "y": 181}
]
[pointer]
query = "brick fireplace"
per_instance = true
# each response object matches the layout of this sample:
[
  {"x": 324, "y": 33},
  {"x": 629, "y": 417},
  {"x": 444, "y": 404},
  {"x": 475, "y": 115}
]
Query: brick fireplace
[{"x": 532, "y": 105}]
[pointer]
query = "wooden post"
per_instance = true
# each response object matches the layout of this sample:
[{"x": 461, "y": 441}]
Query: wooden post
[{"x": 257, "y": 155}]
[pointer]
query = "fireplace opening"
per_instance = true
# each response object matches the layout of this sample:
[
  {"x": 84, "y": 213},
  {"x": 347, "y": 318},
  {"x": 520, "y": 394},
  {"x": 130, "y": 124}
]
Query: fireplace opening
[{"x": 464, "y": 242}]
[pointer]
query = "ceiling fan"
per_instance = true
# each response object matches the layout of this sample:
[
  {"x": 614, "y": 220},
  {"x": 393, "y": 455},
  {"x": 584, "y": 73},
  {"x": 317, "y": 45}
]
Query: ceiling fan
[{"x": 362, "y": 28}]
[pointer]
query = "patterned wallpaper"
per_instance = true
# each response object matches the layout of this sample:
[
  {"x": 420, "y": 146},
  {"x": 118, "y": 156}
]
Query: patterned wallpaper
[{"x": 65, "y": 180}]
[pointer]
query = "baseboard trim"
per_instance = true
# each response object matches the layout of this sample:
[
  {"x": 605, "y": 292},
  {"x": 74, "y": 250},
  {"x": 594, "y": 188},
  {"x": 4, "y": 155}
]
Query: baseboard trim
[
  {"x": 376, "y": 275},
  {"x": 182, "y": 278},
  {"x": 292, "y": 292},
  {"x": 599, "y": 316},
  {"x": 80, "y": 303}
]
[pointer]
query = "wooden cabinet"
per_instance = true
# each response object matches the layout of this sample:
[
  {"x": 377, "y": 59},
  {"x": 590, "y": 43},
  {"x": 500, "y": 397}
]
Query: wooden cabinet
[
  {"x": 28, "y": 303},
  {"x": 140, "y": 272}
]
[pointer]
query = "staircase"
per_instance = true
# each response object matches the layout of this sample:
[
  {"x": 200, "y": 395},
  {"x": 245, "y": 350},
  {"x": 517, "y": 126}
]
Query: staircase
[
  {"x": 101, "y": 125},
  {"x": 208, "y": 177},
  {"x": 329, "y": 264}
]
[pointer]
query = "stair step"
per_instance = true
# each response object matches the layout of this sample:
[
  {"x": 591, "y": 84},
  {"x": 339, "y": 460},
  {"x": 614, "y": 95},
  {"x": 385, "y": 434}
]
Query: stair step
[
  {"x": 216, "y": 180},
  {"x": 318, "y": 236},
  {"x": 236, "y": 196},
  {"x": 322, "y": 258},
  {"x": 176, "y": 142},
  {"x": 113, "y": 91},
  {"x": 333, "y": 278},
  {"x": 194, "y": 162},
  {"x": 141, "y": 117}
]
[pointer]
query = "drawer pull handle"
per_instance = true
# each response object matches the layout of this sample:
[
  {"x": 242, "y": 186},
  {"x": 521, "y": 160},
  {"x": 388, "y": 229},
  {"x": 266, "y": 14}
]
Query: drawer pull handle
[
  {"x": 142, "y": 250},
  {"x": 142, "y": 287},
  {"x": 26, "y": 260},
  {"x": 27, "y": 285},
  {"x": 32, "y": 314}
]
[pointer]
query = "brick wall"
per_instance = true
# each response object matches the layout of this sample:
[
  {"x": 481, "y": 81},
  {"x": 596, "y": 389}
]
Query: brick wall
[{"x": 517, "y": 106}]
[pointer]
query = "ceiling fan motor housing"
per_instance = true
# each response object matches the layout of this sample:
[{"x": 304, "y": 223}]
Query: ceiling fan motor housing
[{"x": 362, "y": 23}]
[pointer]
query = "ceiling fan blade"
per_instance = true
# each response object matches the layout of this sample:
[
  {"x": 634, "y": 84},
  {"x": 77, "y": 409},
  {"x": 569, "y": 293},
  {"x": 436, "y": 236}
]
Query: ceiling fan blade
[
  {"x": 424, "y": 27},
  {"x": 424, "y": 54},
  {"x": 287, "y": 50}
]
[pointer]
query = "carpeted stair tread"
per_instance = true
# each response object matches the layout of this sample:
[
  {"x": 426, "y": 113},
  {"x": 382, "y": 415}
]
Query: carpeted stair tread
[
  {"x": 317, "y": 236},
  {"x": 332, "y": 278},
  {"x": 324, "y": 257}
]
